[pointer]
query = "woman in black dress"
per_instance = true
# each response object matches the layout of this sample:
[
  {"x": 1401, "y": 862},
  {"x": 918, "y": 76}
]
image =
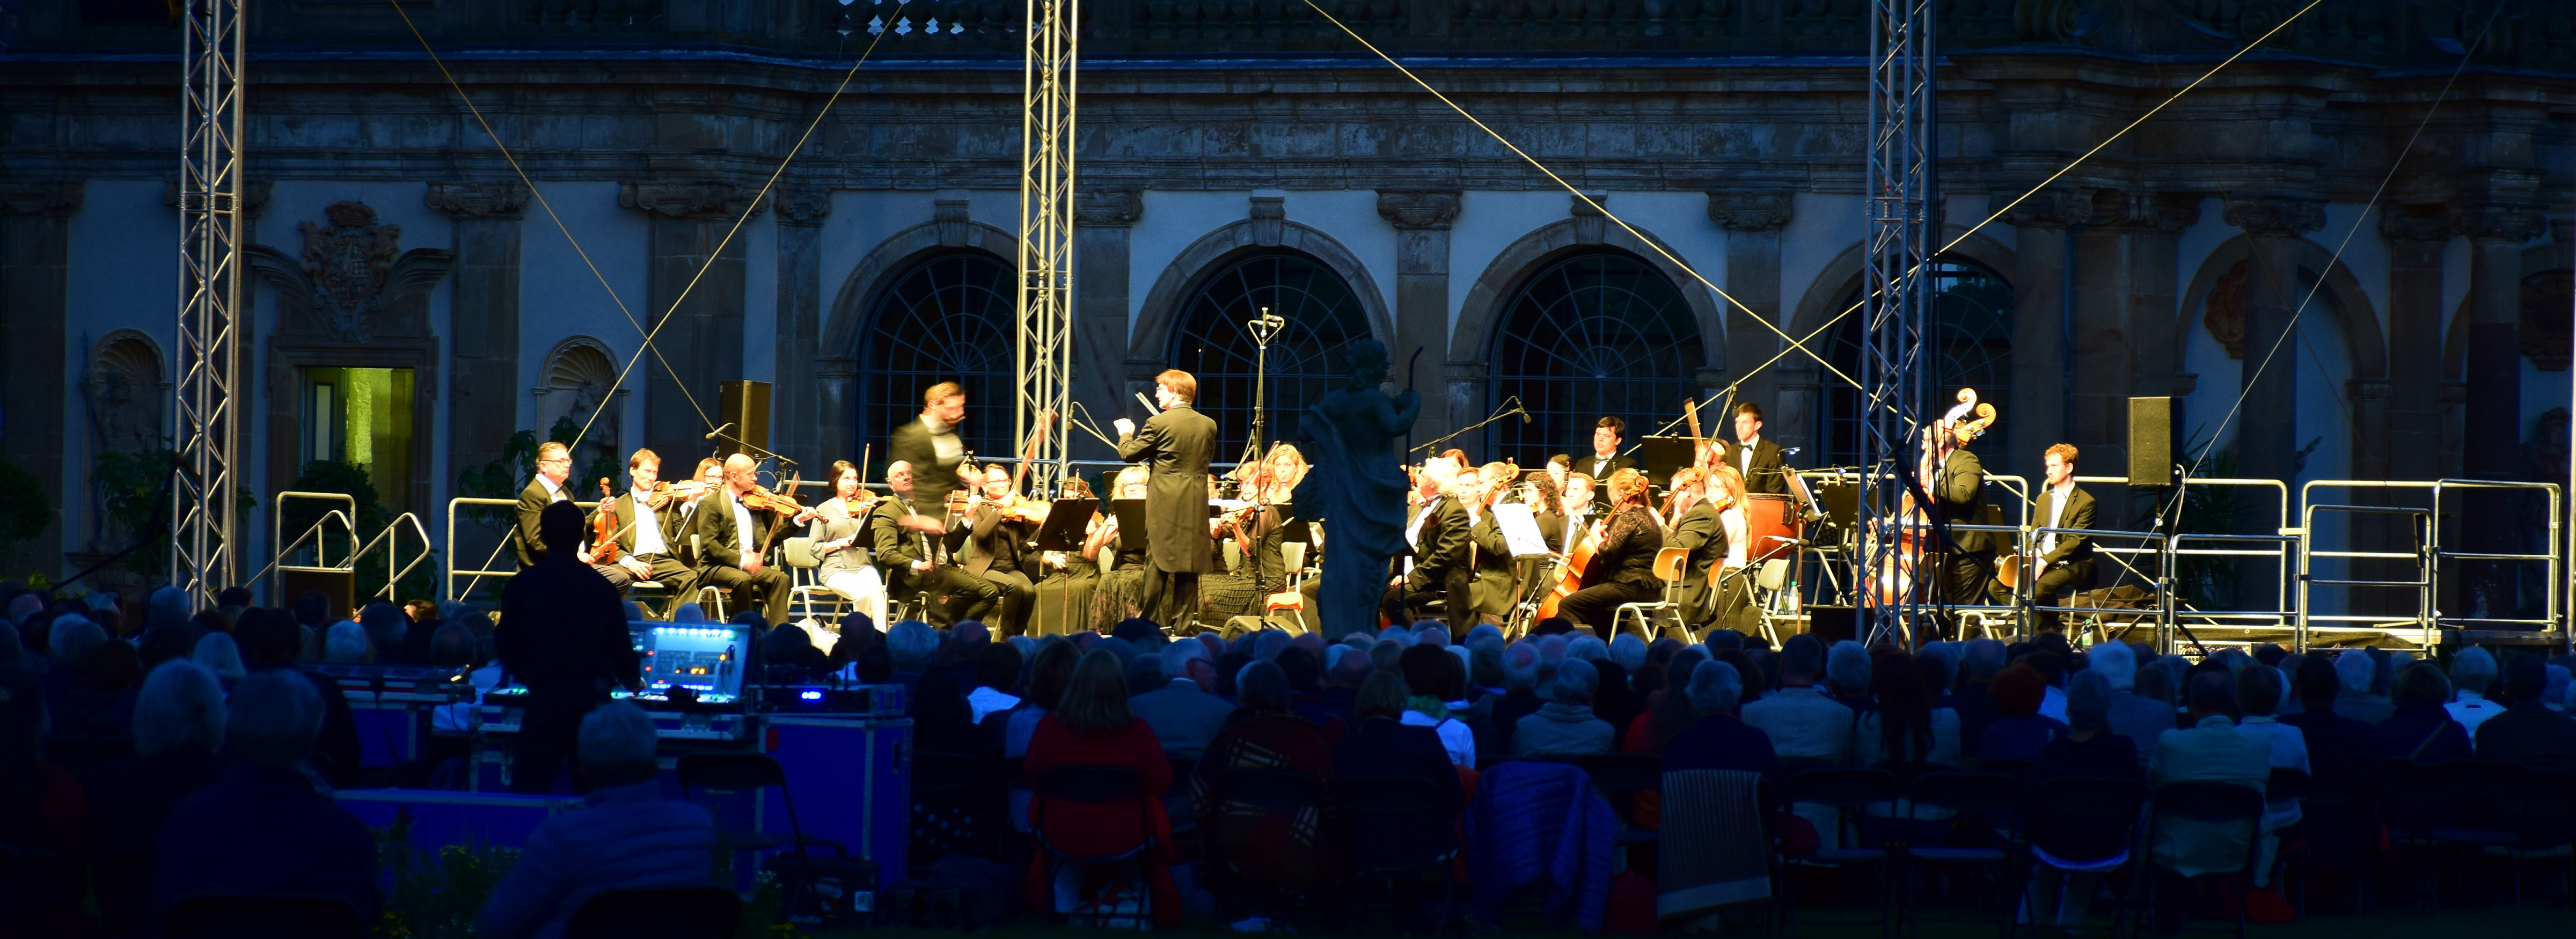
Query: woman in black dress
[{"x": 1623, "y": 558}]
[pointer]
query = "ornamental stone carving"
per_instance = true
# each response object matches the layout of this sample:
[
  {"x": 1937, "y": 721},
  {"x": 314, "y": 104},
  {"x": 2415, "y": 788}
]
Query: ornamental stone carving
[
  {"x": 803, "y": 208},
  {"x": 1269, "y": 220},
  {"x": 1418, "y": 209},
  {"x": 2546, "y": 327},
  {"x": 54, "y": 197},
  {"x": 1108, "y": 208},
  {"x": 352, "y": 269},
  {"x": 2415, "y": 223},
  {"x": 1750, "y": 211},
  {"x": 2266, "y": 216},
  {"x": 2509, "y": 222},
  {"x": 2224, "y": 311},
  {"x": 699, "y": 202},
  {"x": 498, "y": 201},
  {"x": 2048, "y": 208}
]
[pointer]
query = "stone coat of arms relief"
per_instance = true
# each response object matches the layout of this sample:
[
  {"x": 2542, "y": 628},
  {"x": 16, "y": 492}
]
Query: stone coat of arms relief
[{"x": 351, "y": 276}]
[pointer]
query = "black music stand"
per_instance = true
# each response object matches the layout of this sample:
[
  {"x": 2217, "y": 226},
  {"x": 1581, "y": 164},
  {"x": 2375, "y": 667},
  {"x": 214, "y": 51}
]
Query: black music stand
[
  {"x": 1064, "y": 524},
  {"x": 1131, "y": 523},
  {"x": 1660, "y": 456}
]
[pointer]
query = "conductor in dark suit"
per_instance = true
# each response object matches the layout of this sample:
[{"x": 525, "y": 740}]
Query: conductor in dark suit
[
  {"x": 731, "y": 537},
  {"x": 1439, "y": 532},
  {"x": 1175, "y": 446},
  {"x": 563, "y": 635},
  {"x": 1607, "y": 435},
  {"x": 2065, "y": 560},
  {"x": 932, "y": 446}
]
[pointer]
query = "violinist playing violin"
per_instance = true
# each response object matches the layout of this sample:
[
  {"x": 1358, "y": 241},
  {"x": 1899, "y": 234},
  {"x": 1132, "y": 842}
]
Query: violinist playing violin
[
  {"x": 1002, "y": 525},
  {"x": 648, "y": 528},
  {"x": 842, "y": 543},
  {"x": 733, "y": 534},
  {"x": 903, "y": 535}
]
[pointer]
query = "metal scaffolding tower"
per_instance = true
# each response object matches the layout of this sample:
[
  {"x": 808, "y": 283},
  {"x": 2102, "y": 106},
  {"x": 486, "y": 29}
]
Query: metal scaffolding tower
[
  {"x": 1895, "y": 374},
  {"x": 203, "y": 517},
  {"x": 1045, "y": 361}
]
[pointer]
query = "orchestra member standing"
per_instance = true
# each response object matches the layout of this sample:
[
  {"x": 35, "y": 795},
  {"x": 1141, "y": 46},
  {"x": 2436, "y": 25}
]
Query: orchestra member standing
[
  {"x": 1957, "y": 483},
  {"x": 1490, "y": 554},
  {"x": 1764, "y": 468},
  {"x": 1175, "y": 446},
  {"x": 2065, "y": 562},
  {"x": 931, "y": 446},
  {"x": 1622, "y": 569},
  {"x": 1605, "y": 458}
]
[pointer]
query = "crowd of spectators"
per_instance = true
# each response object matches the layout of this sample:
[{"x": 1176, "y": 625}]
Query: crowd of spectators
[{"x": 161, "y": 751}]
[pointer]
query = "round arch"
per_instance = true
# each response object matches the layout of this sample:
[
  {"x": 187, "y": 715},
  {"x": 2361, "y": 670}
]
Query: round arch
[
  {"x": 846, "y": 323},
  {"x": 2351, "y": 305},
  {"x": 1840, "y": 277},
  {"x": 1490, "y": 299},
  {"x": 1151, "y": 338}
]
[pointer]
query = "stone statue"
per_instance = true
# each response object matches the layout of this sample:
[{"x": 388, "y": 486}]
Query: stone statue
[{"x": 1356, "y": 488}]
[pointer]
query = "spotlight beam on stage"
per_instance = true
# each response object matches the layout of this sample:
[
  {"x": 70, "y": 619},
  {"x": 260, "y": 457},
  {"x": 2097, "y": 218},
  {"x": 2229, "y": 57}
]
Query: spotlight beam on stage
[{"x": 208, "y": 417}]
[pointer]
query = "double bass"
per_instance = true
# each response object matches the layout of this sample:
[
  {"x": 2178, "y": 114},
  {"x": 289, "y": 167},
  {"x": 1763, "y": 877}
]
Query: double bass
[{"x": 1891, "y": 575}]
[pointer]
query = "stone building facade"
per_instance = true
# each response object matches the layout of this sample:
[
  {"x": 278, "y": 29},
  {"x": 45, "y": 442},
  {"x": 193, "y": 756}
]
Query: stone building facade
[{"x": 1238, "y": 156}]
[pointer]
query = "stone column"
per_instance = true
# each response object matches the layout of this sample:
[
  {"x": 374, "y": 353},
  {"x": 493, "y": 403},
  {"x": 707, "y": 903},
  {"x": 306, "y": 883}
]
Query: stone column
[
  {"x": 836, "y": 381},
  {"x": 1421, "y": 219},
  {"x": 35, "y": 270},
  {"x": 2267, "y": 442},
  {"x": 2040, "y": 347},
  {"x": 702, "y": 341},
  {"x": 796, "y": 415},
  {"x": 2492, "y": 448},
  {"x": 1753, "y": 221},
  {"x": 1103, "y": 220},
  {"x": 483, "y": 321},
  {"x": 2416, "y": 236}
]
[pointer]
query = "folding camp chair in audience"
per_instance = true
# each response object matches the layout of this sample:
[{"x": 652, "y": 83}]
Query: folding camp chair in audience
[
  {"x": 2214, "y": 804},
  {"x": 2069, "y": 817},
  {"x": 1848, "y": 794},
  {"x": 750, "y": 773},
  {"x": 958, "y": 805},
  {"x": 2484, "y": 798},
  {"x": 1098, "y": 789},
  {"x": 1967, "y": 800},
  {"x": 1619, "y": 777},
  {"x": 2339, "y": 831}
]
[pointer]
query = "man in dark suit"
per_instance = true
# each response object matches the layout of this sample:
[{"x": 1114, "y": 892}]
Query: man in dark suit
[
  {"x": 649, "y": 533},
  {"x": 563, "y": 635},
  {"x": 1175, "y": 445},
  {"x": 993, "y": 549},
  {"x": 2528, "y": 732},
  {"x": 554, "y": 467},
  {"x": 1439, "y": 533},
  {"x": 1956, "y": 481},
  {"x": 1702, "y": 532},
  {"x": 1607, "y": 435},
  {"x": 1765, "y": 468},
  {"x": 932, "y": 446},
  {"x": 2065, "y": 562},
  {"x": 903, "y": 536},
  {"x": 1496, "y": 572},
  {"x": 731, "y": 539}
]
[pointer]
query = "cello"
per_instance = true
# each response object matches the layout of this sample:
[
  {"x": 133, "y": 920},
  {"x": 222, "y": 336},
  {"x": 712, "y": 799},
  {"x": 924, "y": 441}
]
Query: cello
[{"x": 1891, "y": 576}]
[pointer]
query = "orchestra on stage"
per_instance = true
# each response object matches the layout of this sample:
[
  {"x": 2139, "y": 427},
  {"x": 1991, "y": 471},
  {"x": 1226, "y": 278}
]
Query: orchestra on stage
[{"x": 1704, "y": 533}]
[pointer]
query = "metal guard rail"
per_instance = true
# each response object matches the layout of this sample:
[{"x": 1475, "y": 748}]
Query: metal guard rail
[{"x": 447, "y": 584}]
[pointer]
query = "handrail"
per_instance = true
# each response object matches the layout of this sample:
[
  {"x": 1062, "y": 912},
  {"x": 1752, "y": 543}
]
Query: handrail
[
  {"x": 393, "y": 552},
  {"x": 2438, "y": 556},
  {"x": 321, "y": 543},
  {"x": 447, "y": 584}
]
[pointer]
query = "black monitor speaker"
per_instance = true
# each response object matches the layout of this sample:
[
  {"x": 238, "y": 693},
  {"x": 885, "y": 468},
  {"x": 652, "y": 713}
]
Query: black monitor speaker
[
  {"x": 745, "y": 405},
  {"x": 2151, "y": 435}
]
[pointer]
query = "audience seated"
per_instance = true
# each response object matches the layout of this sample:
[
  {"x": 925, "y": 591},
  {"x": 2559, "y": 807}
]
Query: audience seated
[
  {"x": 2212, "y": 749},
  {"x": 913, "y": 644},
  {"x": 385, "y": 626},
  {"x": 2258, "y": 695},
  {"x": 1185, "y": 713},
  {"x": 997, "y": 675},
  {"x": 1438, "y": 682},
  {"x": 1670, "y": 711},
  {"x": 41, "y": 805},
  {"x": 626, "y": 836},
  {"x": 1903, "y": 731},
  {"x": 1803, "y": 725},
  {"x": 1382, "y": 746},
  {"x": 941, "y": 720},
  {"x": 2019, "y": 732},
  {"x": 2133, "y": 716},
  {"x": 1520, "y": 696},
  {"x": 178, "y": 729},
  {"x": 2421, "y": 729},
  {"x": 1254, "y": 844},
  {"x": 2528, "y": 732},
  {"x": 221, "y": 654},
  {"x": 1719, "y": 740},
  {"x": 1848, "y": 673},
  {"x": 1092, "y": 726},
  {"x": 2366, "y": 683},
  {"x": 1565, "y": 726},
  {"x": 2473, "y": 672},
  {"x": 2070, "y": 858},
  {"x": 267, "y": 826},
  {"x": 2335, "y": 743},
  {"x": 347, "y": 642}
]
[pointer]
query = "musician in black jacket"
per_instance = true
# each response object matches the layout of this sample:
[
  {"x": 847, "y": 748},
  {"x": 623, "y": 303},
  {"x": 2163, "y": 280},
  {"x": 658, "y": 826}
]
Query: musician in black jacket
[
  {"x": 1956, "y": 481},
  {"x": 649, "y": 533},
  {"x": 563, "y": 635},
  {"x": 1622, "y": 569},
  {"x": 554, "y": 470},
  {"x": 732, "y": 538},
  {"x": 1439, "y": 532},
  {"x": 902, "y": 534},
  {"x": 2064, "y": 562},
  {"x": 931, "y": 445},
  {"x": 1174, "y": 446},
  {"x": 1607, "y": 434},
  {"x": 1496, "y": 572},
  {"x": 994, "y": 545}
]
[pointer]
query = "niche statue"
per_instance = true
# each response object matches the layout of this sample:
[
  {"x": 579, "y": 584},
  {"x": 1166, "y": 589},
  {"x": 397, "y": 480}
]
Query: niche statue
[{"x": 1355, "y": 488}]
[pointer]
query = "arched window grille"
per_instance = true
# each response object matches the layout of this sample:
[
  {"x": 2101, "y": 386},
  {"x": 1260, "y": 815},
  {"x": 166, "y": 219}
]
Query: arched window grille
[
  {"x": 1972, "y": 348},
  {"x": 1597, "y": 334},
  {"x": 947, "y": 318},
  {"x": 1211, "y": 342}
]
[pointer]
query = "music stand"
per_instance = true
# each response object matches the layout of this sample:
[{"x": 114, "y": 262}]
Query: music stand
[
  {"x": 1660, "y": 456},
  {"x": 1065, "y": 521},
  {"x": 1131, "y": 523}
]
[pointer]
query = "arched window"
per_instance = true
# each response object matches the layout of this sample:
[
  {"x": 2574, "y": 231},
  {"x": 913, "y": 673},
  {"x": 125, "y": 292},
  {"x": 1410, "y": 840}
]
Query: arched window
[
  {"x": 1211, "y": 342},
  {"x": 1971, "y": 348},
  {"x": 947, "y": 318},
  {"x": 1595, "y": 334}
]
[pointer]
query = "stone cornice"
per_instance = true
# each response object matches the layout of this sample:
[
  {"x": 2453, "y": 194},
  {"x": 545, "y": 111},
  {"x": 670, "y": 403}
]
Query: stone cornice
[
  {"x": 2048, "y": 208},
  {"x": 704, "y": 202},
  {"x": 1418, "y": 209},
  {"x": 52, "y": 197},
  {"x": 2427, "y": 223},
  {"x": 2497, "y": 221},
  {"x": 804, "y": 208},
  {"x": 496, "y": 201}
]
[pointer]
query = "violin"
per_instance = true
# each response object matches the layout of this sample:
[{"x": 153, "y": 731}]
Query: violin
[
  {"x": 604, "y": 526},
  {"x": 762, "y": 499},
  {"x": 665, "y": 490}
]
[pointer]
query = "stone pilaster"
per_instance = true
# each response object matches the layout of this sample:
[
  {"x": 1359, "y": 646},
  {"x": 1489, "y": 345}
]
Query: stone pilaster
[
  {"x": 702, "y": 338},
  {"x": 2492, "y": 448},
  {"x": 1104, "y": 220},
  {"x": 35, "y": 271},
  {"x": 1753, "y": 221},
  {"x": 2041, "y": 351},
  {"x": 2123, "y": 340},
  {"x": 795, "y": 403},
  {"x": 1422, "y": 219},
  {"x": 2267, "y": 435},
  {"x": 483, "y": 318},
  {"x": 2416, "y": 236}
]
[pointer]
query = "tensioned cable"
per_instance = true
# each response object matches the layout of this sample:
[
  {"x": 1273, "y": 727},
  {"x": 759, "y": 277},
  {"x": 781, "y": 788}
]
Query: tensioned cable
[
  {"x": 1795, "y": 343},
  {"x": 2035, "y": 190},
  {"x": 712, "y": 257}
]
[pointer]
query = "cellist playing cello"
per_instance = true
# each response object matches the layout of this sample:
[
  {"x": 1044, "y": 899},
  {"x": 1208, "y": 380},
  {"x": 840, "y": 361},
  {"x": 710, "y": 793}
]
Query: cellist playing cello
[
  {"x": 1622, "y": 564},
  {"x": 1956, "y": 481}
]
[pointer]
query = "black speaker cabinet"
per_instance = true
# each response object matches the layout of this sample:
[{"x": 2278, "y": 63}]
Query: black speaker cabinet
[
  {"x": 339, "y": 586},
  {"x": 745, "y": 404},
  {"x": 2151, "y": 436},
  {"x": 1832, "y": 624}
]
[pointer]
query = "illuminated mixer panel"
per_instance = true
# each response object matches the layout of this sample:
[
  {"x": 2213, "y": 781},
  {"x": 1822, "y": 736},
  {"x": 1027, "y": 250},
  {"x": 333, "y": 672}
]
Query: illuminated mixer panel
[{"x": 703, "y": 657}]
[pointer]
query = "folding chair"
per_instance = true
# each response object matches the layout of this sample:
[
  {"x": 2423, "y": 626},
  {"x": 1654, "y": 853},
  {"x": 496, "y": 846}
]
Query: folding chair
[
  {"x": 2058, "y": 816},
  {"x": 1669, "y": 563},
  {"x": 1770, "y": 585},
  {"x": 1396, "y": 827},
  {"x": 1973, "y": 796},
  {"x": 751, "y": 772},
  {"x": 2486, "y": 799},
  {"x": 1848, "y": 792},
  {"x": 1102, "y": 788},
  {"x": 1619, "y": 777},
  {"x": 802, "y": 570},
  {"x": 2209, "y": 803}
]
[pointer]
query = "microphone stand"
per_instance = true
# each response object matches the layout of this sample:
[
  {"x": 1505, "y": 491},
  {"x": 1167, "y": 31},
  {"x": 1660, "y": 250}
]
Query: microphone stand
[
  {"x": 1516, "y": 408},
  {"x": 1263, "y": 328},
  {"x": 753, "y": 449}
]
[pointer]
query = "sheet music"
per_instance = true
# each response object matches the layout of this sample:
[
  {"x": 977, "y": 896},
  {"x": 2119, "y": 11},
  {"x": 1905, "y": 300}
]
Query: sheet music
[{"x": 1520, "y": 529}]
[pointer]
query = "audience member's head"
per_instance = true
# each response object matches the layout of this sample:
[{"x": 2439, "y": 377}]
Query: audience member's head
[
  {"x": 1520, "y": 667},
  {"x": 269, "y": 639},
  {"x": 1576, "y": 681},
  {"x": 560, "y": 529},
  {"x": 162, "y": 643},
  {"x": 2473, "y": 671},
  {"x": 1715, "y": 687},
  {"x": 2258, "y": 689},
  {"x": 275, "y": 715},
  {"x": 1351, "y": 667},
  {"x": 938, "y": 704},
  {"x": 2355, "y": 671},
  {"x": 73, "y": 638},
  {"x": 220, "y": 654},
  {"x": 1847, "y": 668},
  {"x": 1261, "y": 688},
  {"x": 1051, "y": 671},
  {"x": 2210, "y": 693},
  {"x": 1801, "y": 658},
  {"x": 997, "y": 666},
  {"x": 169, "y": 608},
  {"x": 454, "y": 646},
  {"x": 1382, "y": 695},
  {"x": 385, "y": 625},
  {"x": 1629, "y": 651},
  {"x": 2017, "y": 691},
  {"x": 1189, "y": 660},
  {"x": 347, "y": 642},
  {"x": 182, "y": 705},
  {"x": 1984, "y": 660},
  {"x": 1143, "y": 674},
  {"x": 913, "y": 644},
  {"x": 2088, "y": 700},
  {"x": 616, "y": 744},
  {"x": 689, "y": 612},
  {"x": 1305, "y": 675},
  {"x": 1934, "y": 668},
  {"x": 2318, "y": 682},
  {"x": 2115, "y": 663},
  {"x": 2423, "y": 684},
  {"x": 1095, "y": 698},
  {"x": 2526, "y": 678},
  {"x": 2384, "y": 666},
  {"x": 1431, "y": 632},
  {"x": 1588, "y": 649}
]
